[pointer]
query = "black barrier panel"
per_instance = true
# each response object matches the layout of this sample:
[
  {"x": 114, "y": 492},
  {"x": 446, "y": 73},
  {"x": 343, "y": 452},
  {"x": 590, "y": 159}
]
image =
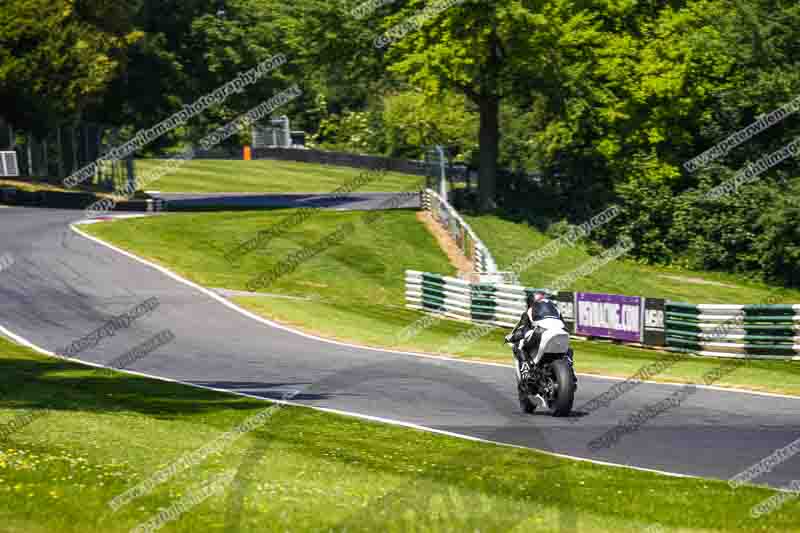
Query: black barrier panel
[
  {"x": 566, "y": 304},
  {"x": 654, "y": 329},
  {"x": 342, "y": 159}
]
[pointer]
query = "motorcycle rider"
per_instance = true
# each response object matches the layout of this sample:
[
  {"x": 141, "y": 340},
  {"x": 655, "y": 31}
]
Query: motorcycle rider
[{"x": 540, "y": 314}]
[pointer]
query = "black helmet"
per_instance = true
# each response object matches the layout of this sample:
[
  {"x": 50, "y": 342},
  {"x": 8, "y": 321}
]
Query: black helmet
[{"x": 534, "y": 297}]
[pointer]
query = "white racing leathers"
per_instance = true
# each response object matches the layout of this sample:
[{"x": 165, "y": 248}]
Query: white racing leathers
[
  {"x": 553, "y": 338},
  {"x": 542, "y": 318},
  {"x": 541, "y": 328}
]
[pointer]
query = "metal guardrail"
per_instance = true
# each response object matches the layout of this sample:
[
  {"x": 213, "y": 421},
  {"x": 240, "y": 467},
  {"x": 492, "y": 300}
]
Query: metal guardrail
[
  {"x": 737, "y": 331},
  {"x": 462, "y": 234},
  {"x": 497, "y": 304},
  {"x": 759, "y": 331}
]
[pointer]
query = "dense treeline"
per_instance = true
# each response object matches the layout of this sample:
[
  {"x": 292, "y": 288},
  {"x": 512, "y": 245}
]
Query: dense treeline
[{"x": 563, "y": 106}]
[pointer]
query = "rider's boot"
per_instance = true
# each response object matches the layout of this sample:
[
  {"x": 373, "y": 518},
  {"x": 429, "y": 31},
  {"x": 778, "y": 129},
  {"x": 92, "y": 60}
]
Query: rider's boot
[{"x": 542, "y": 401}]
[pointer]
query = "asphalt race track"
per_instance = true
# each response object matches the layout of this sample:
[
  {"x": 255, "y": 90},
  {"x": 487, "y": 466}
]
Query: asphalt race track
[
  {"x": 63, "y": 286},
  {"x": 344, "y": 201}
]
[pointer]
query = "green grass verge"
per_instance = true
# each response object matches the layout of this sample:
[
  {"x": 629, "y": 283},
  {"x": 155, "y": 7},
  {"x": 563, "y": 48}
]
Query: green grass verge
[
  {"x": 510, "y": 242},
  {"x": 368, "y": 266},
  {"x": 99, "y": 434},
  {"x": 266, "y": 176},
  {"x": 358, "y": 287}
]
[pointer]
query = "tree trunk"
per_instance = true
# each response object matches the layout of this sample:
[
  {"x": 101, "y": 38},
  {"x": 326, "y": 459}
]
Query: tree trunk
[{"x": 489, "y": 145}]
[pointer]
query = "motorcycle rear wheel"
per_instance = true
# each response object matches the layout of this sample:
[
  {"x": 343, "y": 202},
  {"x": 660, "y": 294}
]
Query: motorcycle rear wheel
[{"x": 564, "y": 393}]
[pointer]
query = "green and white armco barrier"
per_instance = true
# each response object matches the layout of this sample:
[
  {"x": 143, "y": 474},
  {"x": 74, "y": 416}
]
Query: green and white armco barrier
[
  {"x": 759, "y": 331},
  {"x": 496, "y": 304},
  {"x": 438, "y": 294},
  {"x": 462, "y": 234}
]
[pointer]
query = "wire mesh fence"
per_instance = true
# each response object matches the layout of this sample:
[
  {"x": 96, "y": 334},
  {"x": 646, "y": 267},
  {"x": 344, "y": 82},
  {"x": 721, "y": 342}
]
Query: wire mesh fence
[{"x": 66, "y": 149}]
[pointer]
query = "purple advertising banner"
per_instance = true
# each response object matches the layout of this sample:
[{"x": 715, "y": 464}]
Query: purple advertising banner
[{"x": 608, "y": 315}]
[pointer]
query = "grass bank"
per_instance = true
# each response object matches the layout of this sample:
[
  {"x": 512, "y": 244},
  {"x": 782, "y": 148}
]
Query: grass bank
[
  {"x": 510, "y": 241},
  {"x": 95, "y": 435},
  {"x": 267, "y": 176}
]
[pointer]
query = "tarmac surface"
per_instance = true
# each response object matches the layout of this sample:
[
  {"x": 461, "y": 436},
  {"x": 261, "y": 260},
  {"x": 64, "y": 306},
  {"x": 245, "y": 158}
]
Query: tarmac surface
[{"x": 346, "y": 201}]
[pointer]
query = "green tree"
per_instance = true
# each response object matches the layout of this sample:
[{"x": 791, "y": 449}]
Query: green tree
[
  {"x": 57, "y": 57},
  {"x": 672, "y": 83},
  {"x": 488, "y": 51},
  {"x": 413, "y": 121}
]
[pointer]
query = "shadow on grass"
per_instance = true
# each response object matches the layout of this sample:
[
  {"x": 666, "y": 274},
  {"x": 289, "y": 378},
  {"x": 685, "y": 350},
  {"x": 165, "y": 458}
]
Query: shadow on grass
[{"x": 63, "y": 386}]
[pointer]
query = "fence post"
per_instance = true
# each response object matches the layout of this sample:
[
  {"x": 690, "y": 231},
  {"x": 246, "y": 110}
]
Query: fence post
[
  {"x": 442, "y": 176},
  {"x": 29, "y": 143},
  {"x": 36, "y": 156},
  {"x": 86, "y": 156},
  {"x": 45, "y": 149},
  {"x": 60, "y": 151},
  {"x": 131, "y": 174},
  {"x": 74, "y": 145}
]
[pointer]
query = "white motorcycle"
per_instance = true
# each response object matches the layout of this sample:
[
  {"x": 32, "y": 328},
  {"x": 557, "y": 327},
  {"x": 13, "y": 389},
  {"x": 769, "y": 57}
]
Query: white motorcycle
[{"x": 552, "y": 380}]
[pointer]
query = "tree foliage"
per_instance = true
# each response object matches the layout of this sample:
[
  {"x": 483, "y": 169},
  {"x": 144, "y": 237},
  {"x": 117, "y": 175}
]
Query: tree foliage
[
  {"x": 565, "y": 106},
  {"x": 58, "y": 56},
  {"x": 487, "y": 51}
]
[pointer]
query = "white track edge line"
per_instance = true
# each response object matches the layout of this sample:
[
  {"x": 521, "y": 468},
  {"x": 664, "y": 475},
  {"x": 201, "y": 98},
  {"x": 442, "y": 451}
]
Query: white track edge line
[
  {"x": 352, "y": 414},
  {"x": 270, "y": 323}
]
